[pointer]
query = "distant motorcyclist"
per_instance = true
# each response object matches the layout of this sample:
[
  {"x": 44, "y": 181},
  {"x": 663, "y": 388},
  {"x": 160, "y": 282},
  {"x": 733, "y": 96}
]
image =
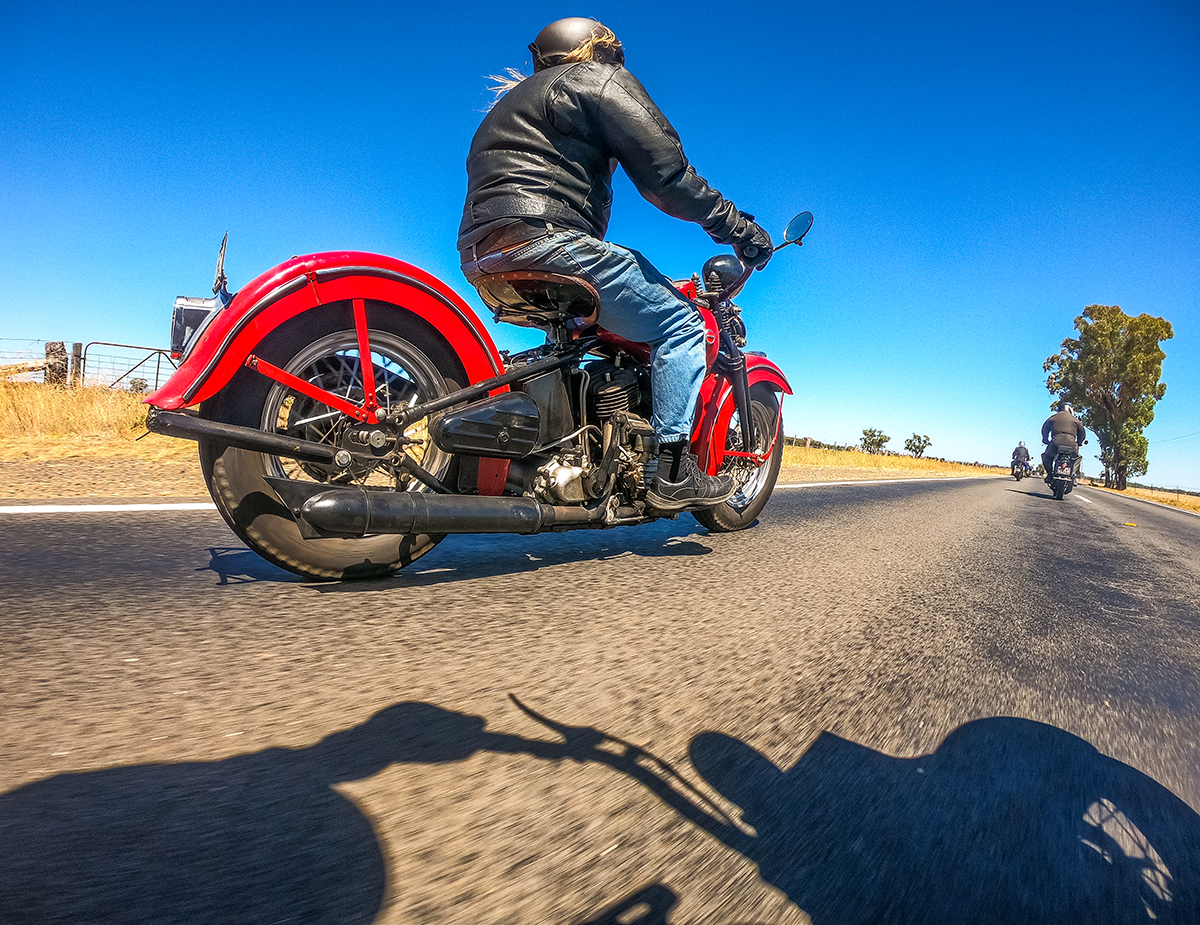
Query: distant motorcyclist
[
  {"x": 1062, "y": 433},
  {"x": 1020, "y": 457}
]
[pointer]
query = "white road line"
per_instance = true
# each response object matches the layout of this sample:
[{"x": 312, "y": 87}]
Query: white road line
[
  {"x": 103, "y": 508},
  {"x": 1082, "y": 498}
]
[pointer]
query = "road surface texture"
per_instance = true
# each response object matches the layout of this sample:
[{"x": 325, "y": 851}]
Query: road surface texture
[{"x": 906, "y": 702}]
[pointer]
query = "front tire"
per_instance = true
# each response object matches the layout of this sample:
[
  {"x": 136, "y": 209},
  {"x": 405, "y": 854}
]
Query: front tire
[
  {"x": 410, "y": 363},
  {"x": 755, "y": 483}
]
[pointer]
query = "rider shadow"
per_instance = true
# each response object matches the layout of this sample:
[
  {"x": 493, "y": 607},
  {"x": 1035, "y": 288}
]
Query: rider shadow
[
  {"x": 259, "y": 837},
  {"x": 1009, "y": 820}
]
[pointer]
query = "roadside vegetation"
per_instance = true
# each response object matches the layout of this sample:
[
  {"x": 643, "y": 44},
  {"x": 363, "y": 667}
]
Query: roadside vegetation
[
  {"x": 1112, "y": 375},
  {"x": 1187, "y": 500},
  {"x": 54, "y": 422},
  {"x": 877, "y": 465}
]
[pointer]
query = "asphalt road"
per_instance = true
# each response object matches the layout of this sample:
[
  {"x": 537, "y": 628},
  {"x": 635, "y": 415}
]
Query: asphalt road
[{"x": 910, "y": 702}]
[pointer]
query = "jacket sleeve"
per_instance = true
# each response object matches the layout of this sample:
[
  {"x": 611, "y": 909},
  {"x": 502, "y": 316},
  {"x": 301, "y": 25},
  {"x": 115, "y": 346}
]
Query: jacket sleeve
[{"x": 648, "y": 147}]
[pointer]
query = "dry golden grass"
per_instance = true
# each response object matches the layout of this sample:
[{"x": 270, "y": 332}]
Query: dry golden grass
[
  {"x": 802, "y": 457},
  {"x": 1174, "y": 499},
  {"x": 53, "y": 422}
]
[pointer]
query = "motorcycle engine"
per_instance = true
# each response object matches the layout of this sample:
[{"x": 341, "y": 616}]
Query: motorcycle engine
[
  {"x": 560, "y": 481},
  {"x": 612, "y": 388}
]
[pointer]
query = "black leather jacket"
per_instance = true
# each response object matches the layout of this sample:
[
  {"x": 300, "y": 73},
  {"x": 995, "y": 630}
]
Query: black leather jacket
[
  {"x": 1064, "y": 430},
  {"x": 549, "y": 147}
]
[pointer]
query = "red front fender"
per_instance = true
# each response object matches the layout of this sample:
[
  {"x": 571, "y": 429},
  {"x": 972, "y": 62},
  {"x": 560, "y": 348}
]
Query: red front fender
[
  {"x": 303, "y": 283},
  {"x": 718, "y": 405}
]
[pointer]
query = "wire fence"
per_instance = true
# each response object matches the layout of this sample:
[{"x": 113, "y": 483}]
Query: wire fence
[
  {"x": 16, "y": 354},
  {"x": 129, "y": 367}
]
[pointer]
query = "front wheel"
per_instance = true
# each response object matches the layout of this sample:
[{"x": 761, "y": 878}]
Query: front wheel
[
  {"x": 754, "y": 483},
  {"x": 409, "y": 365}
]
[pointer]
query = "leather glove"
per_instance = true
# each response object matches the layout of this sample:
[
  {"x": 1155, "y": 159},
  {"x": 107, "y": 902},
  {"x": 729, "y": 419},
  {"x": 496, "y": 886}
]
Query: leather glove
[{"x": 751, "y": 243}]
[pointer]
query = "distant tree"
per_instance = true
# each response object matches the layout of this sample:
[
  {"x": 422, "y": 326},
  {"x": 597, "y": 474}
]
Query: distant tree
[
  {"x": 917, "y": 444},
  {"x": 873, "y": 440},
  {"x": 139, "y": 386},
  {"x": 1110, "y": 373}
]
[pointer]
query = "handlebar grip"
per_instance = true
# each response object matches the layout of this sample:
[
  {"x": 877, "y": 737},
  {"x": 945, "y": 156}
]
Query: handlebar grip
[{"x": 750, "y": 251}]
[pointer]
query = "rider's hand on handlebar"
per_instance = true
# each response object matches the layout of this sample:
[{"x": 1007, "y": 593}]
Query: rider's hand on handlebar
[{"x": 752, "y": 244}]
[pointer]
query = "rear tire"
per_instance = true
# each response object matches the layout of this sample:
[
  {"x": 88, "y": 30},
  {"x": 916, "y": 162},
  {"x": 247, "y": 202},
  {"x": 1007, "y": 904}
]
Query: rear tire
[
  {"x": 1058, "y": 490},
  {"x": 755, "y": 483},
  {"x": 409, "y": 360}
]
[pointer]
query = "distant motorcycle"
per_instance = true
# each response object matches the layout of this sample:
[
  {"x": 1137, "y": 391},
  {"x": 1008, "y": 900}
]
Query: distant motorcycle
[
  {"x": 1020, "y": 470},
  {"x": 1063, "y": 472}
]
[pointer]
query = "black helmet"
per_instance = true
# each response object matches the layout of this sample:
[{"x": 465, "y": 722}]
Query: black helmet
[
  {"x": 563, "y": 36},
  {"x": 1066, "y": 406}
]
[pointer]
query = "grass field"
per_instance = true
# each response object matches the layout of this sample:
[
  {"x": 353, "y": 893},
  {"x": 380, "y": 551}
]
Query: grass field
[
  {"x": 886, "y": 466},
  {"x": 53, "y": 422}
]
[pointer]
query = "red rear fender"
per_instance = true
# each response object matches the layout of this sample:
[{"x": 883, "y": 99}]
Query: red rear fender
[{"x": 305, "y": 283}]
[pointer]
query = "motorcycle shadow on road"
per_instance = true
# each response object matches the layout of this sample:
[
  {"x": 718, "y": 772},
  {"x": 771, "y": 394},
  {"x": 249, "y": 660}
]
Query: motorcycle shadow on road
[
  {"x": 1046, "y": 494},
  {"x": 238, "y": 565},
  {"x": 459, "y": 558},
  {"x": 478, "y": 556},
  {"x": 1008, "y": 820}
]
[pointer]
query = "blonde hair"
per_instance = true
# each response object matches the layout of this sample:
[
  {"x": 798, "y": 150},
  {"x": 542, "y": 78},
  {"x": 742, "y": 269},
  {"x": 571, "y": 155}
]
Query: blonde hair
[
  {"x": 602, "y": 38},
  {"x": 597, "y": 47},
  {"x": 505, "y": 82}
]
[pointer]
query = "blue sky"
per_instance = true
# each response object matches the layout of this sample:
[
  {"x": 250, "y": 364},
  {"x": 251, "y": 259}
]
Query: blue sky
[{"x": 980, "y": 172}]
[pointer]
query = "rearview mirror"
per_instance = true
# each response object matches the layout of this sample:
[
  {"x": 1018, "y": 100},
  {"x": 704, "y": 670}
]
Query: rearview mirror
[{"x": 797, "y": 228}]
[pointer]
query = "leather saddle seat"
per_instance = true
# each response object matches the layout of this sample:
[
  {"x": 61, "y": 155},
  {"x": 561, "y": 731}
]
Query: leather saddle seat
[{"x": 537, "y": 299}]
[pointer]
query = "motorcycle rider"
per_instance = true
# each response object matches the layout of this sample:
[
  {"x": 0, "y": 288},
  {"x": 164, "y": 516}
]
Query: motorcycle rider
[
  {"x": 1021, "y": 455},
  {"x": 1061, "y": 432},
  {"x": 539, "y": 192}
]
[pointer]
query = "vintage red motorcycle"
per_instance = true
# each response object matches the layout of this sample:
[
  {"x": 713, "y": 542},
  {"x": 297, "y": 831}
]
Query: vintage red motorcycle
[{"x": 352, "y": 411}]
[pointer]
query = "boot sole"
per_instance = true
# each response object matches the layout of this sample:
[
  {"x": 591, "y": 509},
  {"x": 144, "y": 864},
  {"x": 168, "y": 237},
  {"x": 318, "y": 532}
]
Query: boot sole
[{"x": 660, "y": 505}]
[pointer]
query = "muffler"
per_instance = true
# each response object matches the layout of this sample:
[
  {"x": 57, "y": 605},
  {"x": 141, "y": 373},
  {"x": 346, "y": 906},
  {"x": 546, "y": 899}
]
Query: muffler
[{"x": 325, "y": 511}]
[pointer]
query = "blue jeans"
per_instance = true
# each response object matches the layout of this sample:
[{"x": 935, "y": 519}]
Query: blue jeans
[{"x": 636, "y": 302}]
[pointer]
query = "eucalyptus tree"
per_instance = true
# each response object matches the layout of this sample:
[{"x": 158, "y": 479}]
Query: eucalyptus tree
[
  {"x": 917, "y": 444},
  {"x": 873, "y": 440},
  {"x": 1111, "y": 374}
]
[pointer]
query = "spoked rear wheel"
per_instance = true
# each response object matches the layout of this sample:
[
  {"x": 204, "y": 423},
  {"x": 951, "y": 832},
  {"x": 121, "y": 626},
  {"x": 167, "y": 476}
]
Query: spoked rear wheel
[
  {"x": 405, "y": 369},
  {"x": 755, "y": 483}
]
